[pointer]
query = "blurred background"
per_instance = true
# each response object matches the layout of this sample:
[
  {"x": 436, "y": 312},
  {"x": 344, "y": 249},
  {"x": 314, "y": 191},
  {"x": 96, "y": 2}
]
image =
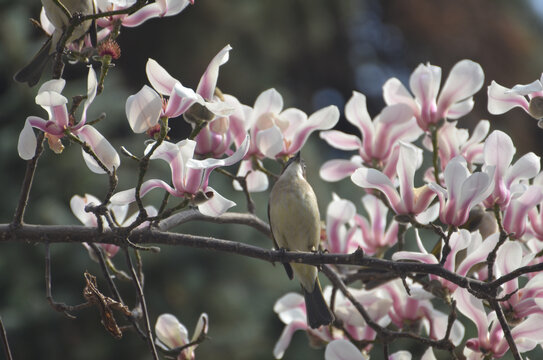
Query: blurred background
[{"x": 315, "y": 53}]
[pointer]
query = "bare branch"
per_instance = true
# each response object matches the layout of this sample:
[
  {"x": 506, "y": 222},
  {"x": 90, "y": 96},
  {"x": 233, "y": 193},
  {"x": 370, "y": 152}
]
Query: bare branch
[
  {"x": 7, "y": 350},
  {"x": 226, "y": 218},
  {"x": 27, "y": 182}
]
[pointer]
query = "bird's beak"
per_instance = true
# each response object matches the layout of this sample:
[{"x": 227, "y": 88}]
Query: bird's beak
[{"x": 298, "y": 156}]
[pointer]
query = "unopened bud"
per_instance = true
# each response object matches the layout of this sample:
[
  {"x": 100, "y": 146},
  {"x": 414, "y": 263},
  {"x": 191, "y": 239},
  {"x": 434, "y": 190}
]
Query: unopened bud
[
  {"x": 536, "y": 107},
  {"x": 198, "y": 114}
]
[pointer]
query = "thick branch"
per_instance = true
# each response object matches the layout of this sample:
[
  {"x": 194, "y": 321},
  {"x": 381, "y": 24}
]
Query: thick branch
[{"x": 78, "y": 234}]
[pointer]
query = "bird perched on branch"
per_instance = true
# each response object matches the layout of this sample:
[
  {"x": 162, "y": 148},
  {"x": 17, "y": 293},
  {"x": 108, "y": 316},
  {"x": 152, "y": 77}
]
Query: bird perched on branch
[
  {"x": 56, "y": 12},
  {"x": 296, "y": 226}
]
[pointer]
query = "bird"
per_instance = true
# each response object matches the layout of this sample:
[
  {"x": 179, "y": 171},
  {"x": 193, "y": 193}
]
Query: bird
[
  {"x": 31, "y": 73},
  {"x": 295, "y": 223}
]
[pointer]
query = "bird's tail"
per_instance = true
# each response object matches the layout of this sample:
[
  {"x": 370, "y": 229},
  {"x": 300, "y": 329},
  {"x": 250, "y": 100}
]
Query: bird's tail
[
  {"x": 31, "y": 73},
  {"x": 318, "y": 313}
]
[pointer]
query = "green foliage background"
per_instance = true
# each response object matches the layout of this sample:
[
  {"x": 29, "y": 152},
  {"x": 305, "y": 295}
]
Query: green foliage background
[{"x": 315, "y": 52}]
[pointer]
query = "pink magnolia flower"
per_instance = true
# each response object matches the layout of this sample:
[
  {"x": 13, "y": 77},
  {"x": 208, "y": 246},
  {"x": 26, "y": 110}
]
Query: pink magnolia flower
[
  {"x": 379, "y": 137},
  {"x": 171, "y": 334},
  {"x": 376, "y": 236},
  {"x": 409, "y": 200},
  {"x": 498, "y": 152},
  {"x": 476, "y": 248},
  {"x": 216, "y": 138},
  {"x": 520, "y": 302},
  {"x": 278, "y": 133},
  {"x": 291, "y": 310},
  {"x": 340, "y": 238},
  {"x": 502, "y": 99},
  {"x": 119, "y": 212},
  {"x": 455, "y": 99},
  {"x": 160, "y": 8},
  {"x": 535, "y": 214},
  {"x": 190, "y": 177},
  {"x": 453, "y": 142},
  {"x": 410, "y": 310},
  {"x": 146, "y": 107},
  {"x": 50, "y": 98},
  {"x": 490, "y": 340},
  {"x": 521, "y": 204},
  {"x": 463, "y": 191}
]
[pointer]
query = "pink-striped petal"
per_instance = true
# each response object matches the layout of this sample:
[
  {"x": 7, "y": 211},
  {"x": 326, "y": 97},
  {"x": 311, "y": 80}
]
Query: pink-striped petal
[
  {"x": 335, "y": 170},
  {"x": 101, "y": 147},
  {"x": 143, "y": 109},
  {"x": 395, "y": 93},
  {"x": 357, "y": 114},
  {"x": 159, "y": 78},
  {"x": 322, "y": 119},
  {"x": 216, "y": 205},
  {"x": 208, "y": 81},
  {"x": 270, "y": 101},
  {"x": 500, "y": 100},
  {"x": 465, "y": 79}
]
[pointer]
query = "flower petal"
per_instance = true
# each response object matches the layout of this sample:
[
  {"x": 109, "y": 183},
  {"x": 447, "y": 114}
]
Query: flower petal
[
  {"x": 101, "y": 147},
  {"x": 465, "y": 79},
  {"x": 216, "y": 205},
  {"x": 159, "y": 78},
  {"x": 208, "y": 81},
  {"x": 26, "y": 146},
  {"x": 500, "y": 100},
  {"x": 143, "y": 109},
  {"x": 335, "y": 170},
  {"x": 340, "y": 140},
  {"x": 342, "y": 349},
  {"x": 170, "y": 331}
]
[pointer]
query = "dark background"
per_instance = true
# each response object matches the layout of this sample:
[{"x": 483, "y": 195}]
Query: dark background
[{"x": 315, "y": 53}]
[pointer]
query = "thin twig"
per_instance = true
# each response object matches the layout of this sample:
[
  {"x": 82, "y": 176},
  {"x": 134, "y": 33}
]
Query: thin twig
[
  {"x": 506, "y": 330},
  {"x": 27, "y": 182},
  {"x": 141, "y": 298},
  {"x": 60, "y": 307},
  {"x": 7, "y": 350}
]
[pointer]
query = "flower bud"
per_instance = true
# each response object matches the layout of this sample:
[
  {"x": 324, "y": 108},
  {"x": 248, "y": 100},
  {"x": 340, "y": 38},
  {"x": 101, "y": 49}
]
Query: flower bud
[{"x": 198, "y": 114}]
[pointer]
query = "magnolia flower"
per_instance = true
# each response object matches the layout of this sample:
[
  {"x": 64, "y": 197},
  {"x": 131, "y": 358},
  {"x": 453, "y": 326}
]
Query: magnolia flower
[
  {"x": 49, "y": 97},
  {"x": 524, "y": 301},
  {"x": 516, "y": 213},
  {"x": 463, "y": 192},
  {"x": 190, "y": 177},
  {"x": 498, "y": 152},
  {"x": 453, "y": 142},
  {"x": 409, "y": 200},
  {"x": 417, "y": 307},
  {"x": 379, "y": 137},
  {"x": 278, "y": 133},
  {"x": 146, "y": 107},
  {"x": 291, "y": 310},
  {"x": 455, "y": 99},
  {"x": 476, "y": 249},
  {"x": 118, "y": 212},
  {"x": 376, "y": 237},
  {"x": 216, "y": 138},
  {"x": 490, "y": 340},
  {"x": 528, "y": 97},
  {"x": 171, "y": 334}
]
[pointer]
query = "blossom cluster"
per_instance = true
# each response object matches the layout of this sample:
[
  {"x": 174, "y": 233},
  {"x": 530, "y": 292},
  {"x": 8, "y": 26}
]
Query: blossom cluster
[{"x": 489, "y": 202}]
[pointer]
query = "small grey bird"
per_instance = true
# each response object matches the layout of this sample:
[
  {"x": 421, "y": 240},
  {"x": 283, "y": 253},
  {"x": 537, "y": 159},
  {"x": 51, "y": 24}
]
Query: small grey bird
[
  {"x": 296, "y": 226},
  {"x": 31, "y": 73}
]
